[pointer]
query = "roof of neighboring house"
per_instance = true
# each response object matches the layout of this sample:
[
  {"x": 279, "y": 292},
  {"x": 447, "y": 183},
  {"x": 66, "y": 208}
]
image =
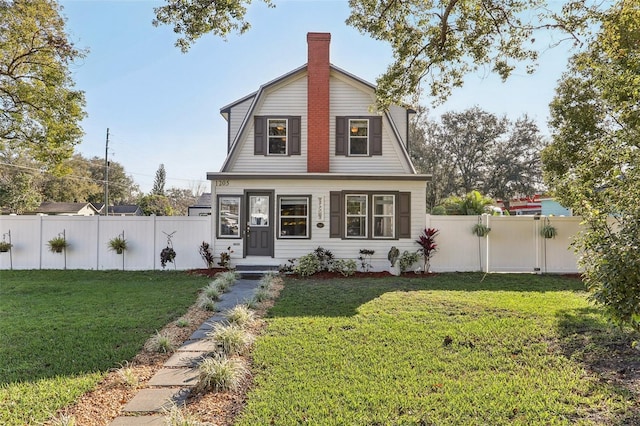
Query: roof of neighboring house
[
  {"x": 204, "y": 200},
  {"x": 52, "y": 207},
  {"x": 124, "y": 209}
]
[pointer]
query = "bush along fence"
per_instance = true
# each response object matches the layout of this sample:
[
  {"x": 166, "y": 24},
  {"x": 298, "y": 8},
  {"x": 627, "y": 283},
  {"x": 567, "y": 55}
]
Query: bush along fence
[{"x": 453, "y": 243}]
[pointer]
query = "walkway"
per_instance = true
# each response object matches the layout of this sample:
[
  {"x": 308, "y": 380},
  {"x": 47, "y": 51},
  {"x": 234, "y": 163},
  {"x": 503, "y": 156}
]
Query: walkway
[{"x": 173, "y": 383}]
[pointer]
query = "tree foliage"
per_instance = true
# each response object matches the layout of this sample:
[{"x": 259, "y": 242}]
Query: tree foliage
[
  {"x": 180, "y": 199},
  {"x": 433, "y": 41},
  {"x": 154, "y": 204},
  {"x": 39, "y": 109},
  {"x": 159, "y": 181},
  {"x": 593, "y": 163},
  {"x": 195, "y": 18},
  {"x": 476, "y": 150}
]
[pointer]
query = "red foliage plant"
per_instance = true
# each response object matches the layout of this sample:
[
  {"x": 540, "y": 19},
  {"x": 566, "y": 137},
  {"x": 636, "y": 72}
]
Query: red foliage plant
[{"x": 428, "y": 246}]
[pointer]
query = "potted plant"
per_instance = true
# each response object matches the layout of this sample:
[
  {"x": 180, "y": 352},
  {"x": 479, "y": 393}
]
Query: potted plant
[
  {"x": 57, "y": 244},
  {"x": 118, "y": 244},
  {"x": 548, "y": 231},
  {"x": 5, "y": 246},
  {"x": 480, "y": 229}
]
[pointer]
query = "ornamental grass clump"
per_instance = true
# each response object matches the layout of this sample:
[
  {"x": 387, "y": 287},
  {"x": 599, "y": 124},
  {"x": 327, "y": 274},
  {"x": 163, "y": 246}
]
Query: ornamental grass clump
[
  {"x": 240, "y": 315},
  {"x": 160, "y": 343},
  {"x": 220, "y": 374},
  {"x": 127, "y": 376},
  {"x": 206, "y": 303},
  {"x": 212, "y": 291},
  {"x": 177, "y": 417},
  {"x": 230, "y": 339}
]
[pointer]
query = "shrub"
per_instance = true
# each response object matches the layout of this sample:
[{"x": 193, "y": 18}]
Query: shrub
[
  {"x": 230, "y": 339},
  {"x": 228, "y": 277},
  {"x": 325, "y": 257},
  {"x": 160, "y": 343},
  {"x": 220, "y": 374},
  {"x": 365, "y": 259},
  {"x": 407, "y": 259},
  {"x": 428, "y": 246},
  {"x": 206, "y": 254},
  {"x": 225, "y": 258},
  {"x": 240, "y": 315},
  {"x": 346, "y": 267},
  {"x": 308, "y": 264}
]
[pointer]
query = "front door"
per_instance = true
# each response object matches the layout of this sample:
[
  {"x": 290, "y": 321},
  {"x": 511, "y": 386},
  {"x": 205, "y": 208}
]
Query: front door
[{"x": 259, "y": 235}]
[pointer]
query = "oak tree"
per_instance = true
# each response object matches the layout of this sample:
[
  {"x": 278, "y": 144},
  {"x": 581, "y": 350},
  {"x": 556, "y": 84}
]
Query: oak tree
[
  {"x": 593, "y": 162},
  {"x": 40, "y": 110}
]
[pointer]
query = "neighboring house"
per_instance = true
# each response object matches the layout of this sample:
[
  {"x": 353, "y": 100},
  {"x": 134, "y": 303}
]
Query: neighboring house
[
  {"x": 536, "y": 205},
  {"x": 125, "y": 210},
  {"x": 65, "y": 209},
  {"x": 202, "y": 207},
  {"x": 310, "y": 165}
]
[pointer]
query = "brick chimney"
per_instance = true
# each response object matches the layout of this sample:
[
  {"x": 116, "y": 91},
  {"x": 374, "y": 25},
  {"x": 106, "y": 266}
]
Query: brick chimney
[{"x": 318, "y": 102}]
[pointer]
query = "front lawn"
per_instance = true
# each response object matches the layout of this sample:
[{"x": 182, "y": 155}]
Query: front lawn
[
  {"x": 60, "y": 331},
  {"x": 454, "y": 349}
]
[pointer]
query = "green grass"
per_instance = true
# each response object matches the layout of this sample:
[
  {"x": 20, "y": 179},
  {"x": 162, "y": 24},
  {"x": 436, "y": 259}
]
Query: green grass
[
  {"x": 455, "y": 349},
  {"x": 60, "y": 331}
]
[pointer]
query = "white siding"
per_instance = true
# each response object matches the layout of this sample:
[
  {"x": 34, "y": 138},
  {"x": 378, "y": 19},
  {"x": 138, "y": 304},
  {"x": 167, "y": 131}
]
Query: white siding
[
  {"x": 236, "y": 117},
  {"x": 284, "y": 99},
  {"x": 349, "y": 100},
  {"x": 319, "y": 189},
  {"x": 399, "y": 117}
]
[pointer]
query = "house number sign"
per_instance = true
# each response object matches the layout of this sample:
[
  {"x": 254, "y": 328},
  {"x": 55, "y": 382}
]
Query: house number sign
[
  {"x": 320, "y": 208},
  {"x": 222, "y": 182}
]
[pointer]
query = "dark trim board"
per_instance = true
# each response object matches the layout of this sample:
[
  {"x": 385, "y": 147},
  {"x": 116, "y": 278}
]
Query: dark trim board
[{"x": 318, "y": 176}]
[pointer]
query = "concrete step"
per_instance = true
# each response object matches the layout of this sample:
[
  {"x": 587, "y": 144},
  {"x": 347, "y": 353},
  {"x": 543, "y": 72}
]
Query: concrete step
[{"x": 255, "y": 271}]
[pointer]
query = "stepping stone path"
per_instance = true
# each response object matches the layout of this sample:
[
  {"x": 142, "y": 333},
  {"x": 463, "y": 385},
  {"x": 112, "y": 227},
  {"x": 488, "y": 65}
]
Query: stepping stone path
[{"x": 173, "y": 383}]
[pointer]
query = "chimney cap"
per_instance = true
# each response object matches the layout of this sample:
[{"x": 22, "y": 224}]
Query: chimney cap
[{"x": 318, "y": 36}]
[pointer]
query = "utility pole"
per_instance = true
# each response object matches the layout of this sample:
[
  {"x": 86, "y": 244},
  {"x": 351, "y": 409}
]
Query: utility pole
[{"x": 106, "y": 176}]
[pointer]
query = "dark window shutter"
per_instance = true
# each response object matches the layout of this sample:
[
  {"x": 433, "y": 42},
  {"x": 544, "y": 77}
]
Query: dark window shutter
[
  {"x": 294, "y": 136},
  {"x": 335, "y": 214},
  {"x": 341, "y": 135},
  {"x": 404, "y": 215},
  {"x": 376, "y": 136},
  {"x": 260, "y": 136}
]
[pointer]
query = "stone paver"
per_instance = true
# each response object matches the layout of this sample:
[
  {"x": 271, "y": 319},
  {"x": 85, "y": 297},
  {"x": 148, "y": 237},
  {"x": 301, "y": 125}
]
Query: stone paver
[
  {"x": 138, "y": 421},
  {"x": 175, "y": 377},
  {"x": 156, "y": 400},
  {"x": 197, "y": 346},
  {"x": 186, "y": 359}
]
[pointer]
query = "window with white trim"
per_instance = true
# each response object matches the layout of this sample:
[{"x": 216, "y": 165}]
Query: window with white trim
[
  {"x": 229, "y": 217},
  {"x": 356, "y": 216},
  {"x": 359, "y": 137},
  {"x": 277, "y": 136},
  {"x": 384, "y": 216},
  {"x": 294, "y": 217}
]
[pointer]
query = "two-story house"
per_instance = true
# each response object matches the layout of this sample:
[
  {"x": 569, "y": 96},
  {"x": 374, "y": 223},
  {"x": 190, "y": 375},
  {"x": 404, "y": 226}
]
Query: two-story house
[{"x": 310, "y": 165}]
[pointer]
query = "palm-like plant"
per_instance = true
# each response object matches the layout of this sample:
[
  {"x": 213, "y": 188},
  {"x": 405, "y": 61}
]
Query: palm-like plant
[{"x": 428, "y": 246}]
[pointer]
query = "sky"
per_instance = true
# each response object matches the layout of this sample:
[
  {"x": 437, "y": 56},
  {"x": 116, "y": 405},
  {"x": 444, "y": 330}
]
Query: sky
[{"x": 162, "y": 106}]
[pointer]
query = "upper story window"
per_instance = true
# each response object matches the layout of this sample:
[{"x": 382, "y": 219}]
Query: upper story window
[
  {"x": 358, "y": 137},
  {"x": 277, "y": 136}
]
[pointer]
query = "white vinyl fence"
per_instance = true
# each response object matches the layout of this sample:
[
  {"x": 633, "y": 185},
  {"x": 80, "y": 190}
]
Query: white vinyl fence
[
  {"x": 88, "y": 238},
  {"x": 514, "y": 243}
]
